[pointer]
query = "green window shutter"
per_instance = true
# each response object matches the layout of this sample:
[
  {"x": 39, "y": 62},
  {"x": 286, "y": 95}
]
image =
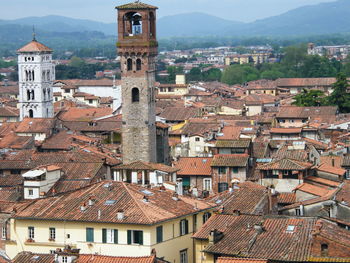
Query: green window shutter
[
  {"x": 89, "y": 234},
  {"x": 115, "y": 236},
  {"x": 235, "y": 170},
  {"x": 181, "y": 222},
  {"x": 104, "y": 235},
  {"x": 129, "y": 237},
  {"x": 159, "y": 234},
  {"x": 141, "y": 237},
  {"x": 186, "y": 226}
]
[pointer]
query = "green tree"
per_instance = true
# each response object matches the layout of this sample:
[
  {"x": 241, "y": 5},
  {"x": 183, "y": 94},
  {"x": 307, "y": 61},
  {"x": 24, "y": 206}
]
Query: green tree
[
  {"x": 310, "y": 98},
  {"x": 173, "y": 71},
  {"x": 339, "y": 96},
  {"x": 238, "y": 74},
  {"x": 195, "y": 74},
  {"x": 76, "y": 62},
  {"x": 272, "y": 74},
  {"x": 213, "y": 74}
]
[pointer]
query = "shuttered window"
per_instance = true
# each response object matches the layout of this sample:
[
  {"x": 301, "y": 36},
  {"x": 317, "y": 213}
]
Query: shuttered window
[
  {"x": 183, "y": 227},
  {"x": 135, "y": 237},
  {"x": 110, "y": 236},
  {"x": 159, "y": 234},
  {"x": 89, "y": 234}
]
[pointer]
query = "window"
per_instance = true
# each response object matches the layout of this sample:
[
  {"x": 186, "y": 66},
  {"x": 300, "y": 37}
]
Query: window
[
  {"x": 235, "y": 170},
  {"x": 135, "y": 237},
  {"x": 4, "y": 232},
  {"x": 198, "y": 139},
  {"x": 90, "y": 101},
  {"x": 207, "y": 184},
  {"x": 89, "y": 234},
  {"x": 52, "y": 233},
  {"x": 138, "y": 64},
  {"x": 324, "y": 250},
  {"x": 31, "y": 232},
  {"x": 206, "y": 216},
  {"x": 183, "y": 256},
  {"x": 30, "y": 192},
  {"x": 31, "y": 113},
  {"x": 159, "y": 234},
  {"x": 135, "y": 95},
  {"x": 222, "y": 187},
  {"x": 129, "y": 64},
  {"x": 15, "y": 171},
  {"x": 297, "y": 212},
  {"x": 66, "y": 90},
  {"x": 64, "y": 259},
  {"x": 183, "y": 227},
  {"x": 110, "y": 236},
  {"x": 222, "y": 170}
]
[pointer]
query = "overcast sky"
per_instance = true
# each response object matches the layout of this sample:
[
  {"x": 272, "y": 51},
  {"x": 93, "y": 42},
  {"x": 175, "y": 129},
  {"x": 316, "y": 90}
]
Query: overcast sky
[{"x": 103, "y": 10}]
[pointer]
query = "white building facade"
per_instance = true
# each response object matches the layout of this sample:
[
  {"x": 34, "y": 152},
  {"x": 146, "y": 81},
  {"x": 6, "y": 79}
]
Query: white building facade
[{"x": 36, "y": 73}]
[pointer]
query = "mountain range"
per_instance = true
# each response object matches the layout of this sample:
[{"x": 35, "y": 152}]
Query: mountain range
[{"x": 63, "y": 32}]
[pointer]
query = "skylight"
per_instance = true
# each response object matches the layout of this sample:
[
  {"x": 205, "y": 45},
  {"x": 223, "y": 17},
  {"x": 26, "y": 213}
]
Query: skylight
[
  {"x": 110, "y": 202},
  {"x": 290, "y": 228},
  {"x": 146, "y": 192}
]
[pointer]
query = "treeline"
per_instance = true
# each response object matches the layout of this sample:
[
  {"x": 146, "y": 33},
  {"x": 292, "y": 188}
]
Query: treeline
[
  {"x": 339, "y": 97},
  {"x": 79, "y": 69},
  {"x": 295, "y": 63}
]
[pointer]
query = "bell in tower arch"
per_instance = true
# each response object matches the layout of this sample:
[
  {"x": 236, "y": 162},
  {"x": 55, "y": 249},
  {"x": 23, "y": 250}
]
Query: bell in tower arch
[{"x": 137, "y": 24}]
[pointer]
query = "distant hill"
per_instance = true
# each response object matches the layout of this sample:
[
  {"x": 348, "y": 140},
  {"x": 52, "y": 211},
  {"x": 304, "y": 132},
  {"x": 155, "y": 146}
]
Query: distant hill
[
  {"x": 63, "y": 24},
  {"x": 194, "y": 24}
]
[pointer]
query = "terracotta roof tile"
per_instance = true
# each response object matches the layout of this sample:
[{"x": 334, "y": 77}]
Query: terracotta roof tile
[
  {"x": 179, "y": 113},
  {"x": 34, "y": 46},
  {"x": 114, "y": 196},
  {"x": 286, "y": 164},
  {"x": 286, "y": 198},
  {"x": 232, "y": 143},
  {"x": 194, "y": 166},
  {"x": 37, "y": 125},
  {"x": 136, "y": 5},
  {"x": 314, "y": 189},
  {"x": 240, "y": 260},
  {"x": 330, "y": 169},
  {"x": 230, "y": 160}
]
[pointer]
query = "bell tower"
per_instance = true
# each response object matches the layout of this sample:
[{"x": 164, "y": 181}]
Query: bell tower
[
  {"x": 138, "y": 47},
  {"x": 36, "y": 73}
]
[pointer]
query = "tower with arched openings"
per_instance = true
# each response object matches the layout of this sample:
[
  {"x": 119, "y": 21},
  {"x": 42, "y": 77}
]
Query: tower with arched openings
[
  {"x": 36, "y": 73},
  {"x": 138, "y": 47}
]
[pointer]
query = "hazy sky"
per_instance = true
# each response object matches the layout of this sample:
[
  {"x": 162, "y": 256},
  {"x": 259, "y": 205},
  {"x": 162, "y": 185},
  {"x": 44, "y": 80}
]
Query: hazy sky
[{"x": 103, "y": 10}]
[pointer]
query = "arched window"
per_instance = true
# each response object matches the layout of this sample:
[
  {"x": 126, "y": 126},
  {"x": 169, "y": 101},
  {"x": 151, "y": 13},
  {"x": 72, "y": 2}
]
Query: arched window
[
  {"x": 28, "y": 95},
  {"x": 324, "y": 250},
  {"x": 33, "y": 75},
  {"x": 26, "y": 73},
  {"x": 48, "y": 94},
  {"x": 31, "y": 113},
  {"x": 135, "y": 95},
  {"x": 138, "y": 64},
  {"x": 44, "y": 93},
  {"x": 129, "y": 64},
  {"x": 33, "y": 95},
  {"x": 48, "y": 75}
]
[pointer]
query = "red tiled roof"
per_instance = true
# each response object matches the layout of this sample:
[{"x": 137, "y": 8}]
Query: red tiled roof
[
  {"x": 114, "y": 196},
  {"x": 314, "y": 189},
  {"x": 330, "y": 169},
  {"x": 286, "y": 198},
  {"x": 84, "y": 114},
  {"x": 37, "y": 125},
  {"x": 285, "y": 130},
  {"x": 322, "y": 181},
  {"x": 286, "y": 164},
  {"x": 304, "y": 82},
  {"x": 34, "y": 46},
  {"x": 194, "y": 166},
  {"x": 136, "y": 5},
  {"x": 230, "y": 160},
  {"x": 240, "y": 260}
]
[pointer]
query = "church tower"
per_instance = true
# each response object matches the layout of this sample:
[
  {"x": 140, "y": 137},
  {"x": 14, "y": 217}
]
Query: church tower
[
  {"x": 36, "y": 73},
  {"x": 138, "y": 47}
]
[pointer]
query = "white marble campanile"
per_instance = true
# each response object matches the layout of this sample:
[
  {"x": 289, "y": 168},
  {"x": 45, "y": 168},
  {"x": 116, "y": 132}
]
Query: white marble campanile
[{"x": 36, "y": 73}]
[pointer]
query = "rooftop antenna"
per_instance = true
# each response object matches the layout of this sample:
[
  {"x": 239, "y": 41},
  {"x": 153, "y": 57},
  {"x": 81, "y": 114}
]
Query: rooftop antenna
[{"x": 34, "y": 39}]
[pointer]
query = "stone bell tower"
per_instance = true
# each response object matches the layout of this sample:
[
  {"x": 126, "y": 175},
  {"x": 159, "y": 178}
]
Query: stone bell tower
[{"x": 138, "y": 47}]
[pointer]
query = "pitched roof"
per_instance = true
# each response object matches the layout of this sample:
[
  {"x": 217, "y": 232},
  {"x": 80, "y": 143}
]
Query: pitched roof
[
  {"x": 240, "y": 260},
  {"x": 274, "y": 242},
  {"x": 140, "y": 165},
  {"x": 324, "y": 112},
  {"x": 305, "y": 82},
  {"x": 286, "y": 164},
  {"x": 330, "y": 169},
  {"x": 37, "y": 125},
  {"x": 34, "y": 46},
  {"x": 232, "y": 143},
  {"x": 179, "y": 113},
  {"x": 136, "y": 5},
  {"x": 230, "y": 160},
  {"x": 84, "y": 114},
  {"x": 194, "y": 166},
  {"x": 247, "y": 198},
  {"x": 314, "y": 189},
  {"x": 285, "y": 130},
  {"x": 113, "y": 197}
]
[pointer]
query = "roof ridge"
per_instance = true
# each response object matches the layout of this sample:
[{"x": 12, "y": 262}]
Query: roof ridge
[{"x": 137, "y": 203}]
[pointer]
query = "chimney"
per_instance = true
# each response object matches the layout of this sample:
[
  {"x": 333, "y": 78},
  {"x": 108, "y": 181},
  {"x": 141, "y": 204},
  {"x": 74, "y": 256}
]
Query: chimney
[
  {"x": 83, "y": 207},
  {"x": 175, "y": 197},
  {"x": 215, "y": 236},
  {"x": 91, "y": 201},
  {"x": 258, "y": 228},
  {"x": 145, "y": 199},
  {"x": 120, "y": 214},
  {"x": 99, "y": 214}
]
